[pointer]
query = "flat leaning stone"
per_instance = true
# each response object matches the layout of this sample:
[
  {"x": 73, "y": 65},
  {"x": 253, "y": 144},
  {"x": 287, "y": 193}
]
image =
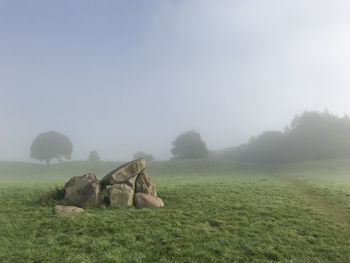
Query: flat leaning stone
[{"x": 124, "y": 172}]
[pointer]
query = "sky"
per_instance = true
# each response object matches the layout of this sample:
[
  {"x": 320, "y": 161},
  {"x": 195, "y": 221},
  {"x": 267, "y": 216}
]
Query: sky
[{"x": 124, "y": 76}]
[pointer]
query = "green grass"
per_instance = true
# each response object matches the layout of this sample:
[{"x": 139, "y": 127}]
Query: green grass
[{"x": 214, "y": 212}]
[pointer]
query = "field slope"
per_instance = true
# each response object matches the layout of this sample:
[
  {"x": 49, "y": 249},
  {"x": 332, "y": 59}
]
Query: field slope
[{"x": 215, "y": 212}]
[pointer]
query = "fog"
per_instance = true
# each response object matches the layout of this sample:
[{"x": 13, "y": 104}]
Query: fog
[{"x": 123, "y": 76}]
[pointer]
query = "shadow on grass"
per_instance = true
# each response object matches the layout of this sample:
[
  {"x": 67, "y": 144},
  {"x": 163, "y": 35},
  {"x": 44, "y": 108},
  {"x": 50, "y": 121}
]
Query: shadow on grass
[{"x": 52, "y": 197}]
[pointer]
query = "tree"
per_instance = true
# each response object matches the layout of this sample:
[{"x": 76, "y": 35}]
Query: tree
[
  {"x": 50, "y": 145},
  {"x": 269, "y": 147},
  {"x": 320, "y": 136},
  {"x": 189, "y": 145},
  {"x": 94, "y": 157},
  {"x": 148, "y": 157},
  {"x": 311, "y": 136}
]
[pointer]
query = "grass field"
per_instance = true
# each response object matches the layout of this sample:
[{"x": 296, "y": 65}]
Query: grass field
[{"x": 214, "y": 212}]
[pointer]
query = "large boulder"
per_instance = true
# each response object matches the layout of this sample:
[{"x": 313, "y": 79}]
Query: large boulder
[
  {"x": 83, "y": 191},
  {"x": 124, "y": 172},
  {"x": 120, "y": 195},
  {"x": 61, "y": 210},
  {"x": 142, "y": 200},
  {"x": 129, "y": 184},
  {"x": 143, "y": 184}
]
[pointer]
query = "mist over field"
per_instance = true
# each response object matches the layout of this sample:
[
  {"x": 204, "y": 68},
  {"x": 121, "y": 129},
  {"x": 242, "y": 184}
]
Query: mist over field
[
  {"x": 122, "y": 76},
  {"x": 174, "y": 131}
]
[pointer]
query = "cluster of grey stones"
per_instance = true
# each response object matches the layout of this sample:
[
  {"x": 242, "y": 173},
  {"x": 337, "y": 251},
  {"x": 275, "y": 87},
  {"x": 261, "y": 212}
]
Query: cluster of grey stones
[{"x": 114, "y": 190}]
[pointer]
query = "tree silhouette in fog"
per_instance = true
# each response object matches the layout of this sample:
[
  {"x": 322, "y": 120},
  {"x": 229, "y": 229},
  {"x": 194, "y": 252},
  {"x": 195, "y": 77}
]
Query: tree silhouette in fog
[
  {"x": 189, "y": 145},
  {"x": 94, "y": 156},
  {"x": 311, "y": 136},
  {"x": 140, "y": 154},
  {"x": 51, "y": 145}
]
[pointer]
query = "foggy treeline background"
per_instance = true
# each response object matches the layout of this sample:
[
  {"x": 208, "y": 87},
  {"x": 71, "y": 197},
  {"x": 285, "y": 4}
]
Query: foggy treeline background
[{"x": 310, "y": 136}]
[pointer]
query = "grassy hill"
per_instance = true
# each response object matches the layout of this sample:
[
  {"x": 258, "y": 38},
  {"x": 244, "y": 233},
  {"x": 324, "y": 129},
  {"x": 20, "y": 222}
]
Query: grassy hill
[{"x": 214, "y": 212}]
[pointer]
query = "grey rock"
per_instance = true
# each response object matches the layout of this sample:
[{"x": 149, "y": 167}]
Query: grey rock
[
  {"x": 67, "y": 210},
  {"x": 83, "y": 191},
  {"x": 128, "y": 183},
  {"x": 124, "y": 172},
  {"x": 120, "y": 195},
  {"x": 142, "y": 200},
  {"x": 143, "y": 184}
]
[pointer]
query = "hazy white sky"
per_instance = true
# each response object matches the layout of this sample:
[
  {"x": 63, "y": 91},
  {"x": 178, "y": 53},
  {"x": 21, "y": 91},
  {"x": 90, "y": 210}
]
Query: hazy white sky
[{"x": 123, "y": 76}]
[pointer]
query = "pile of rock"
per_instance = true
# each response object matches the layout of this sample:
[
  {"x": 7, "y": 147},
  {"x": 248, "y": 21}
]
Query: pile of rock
[{"x": 115, "y": 189}]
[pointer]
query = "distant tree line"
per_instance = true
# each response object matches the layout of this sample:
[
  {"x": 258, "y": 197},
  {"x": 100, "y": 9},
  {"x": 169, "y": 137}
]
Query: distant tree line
[{"x": 311, "y": 136}]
